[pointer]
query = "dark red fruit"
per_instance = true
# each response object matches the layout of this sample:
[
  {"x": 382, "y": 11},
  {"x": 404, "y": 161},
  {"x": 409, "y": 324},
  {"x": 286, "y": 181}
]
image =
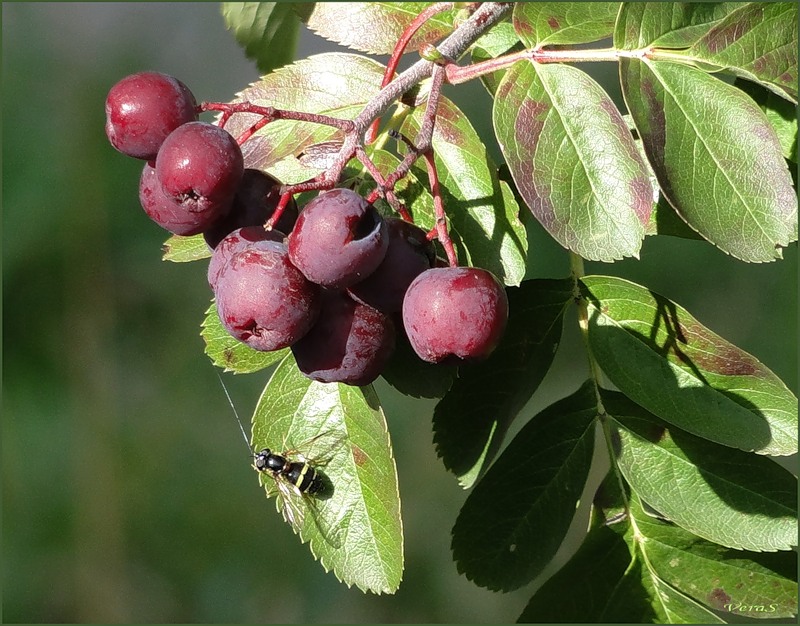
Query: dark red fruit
[
  {"x": 178, "y": 218},
  {"x": 350, "y": 343},
  {"x": 262, "y": 299},
  {"x": 235, "y": 241},
  {"x": 254, "y": 203},
  {"x": 200, "y": 166},
  {"x": 143, "y": 109},
  {"x": 408, "y": 255},
  {"x": 455, "y": 313},
  {"x": 339, "y": 239}
]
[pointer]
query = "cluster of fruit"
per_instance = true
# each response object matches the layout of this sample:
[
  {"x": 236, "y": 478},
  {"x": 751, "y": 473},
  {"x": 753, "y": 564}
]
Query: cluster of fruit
[{"x": 329, "y": 282}]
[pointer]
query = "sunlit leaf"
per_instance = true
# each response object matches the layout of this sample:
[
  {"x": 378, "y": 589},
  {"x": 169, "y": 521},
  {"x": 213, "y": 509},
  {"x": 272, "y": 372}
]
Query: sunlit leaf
[
  {"x": 781, "y": 113},
  {"x": 548, "y": 23},
  {"x": 231, "y": 354},
  {"x": 356, "y": 530},
  {"x": 757, "y": 41},
  {"x": 482, "y": 211},
  {"x": 658, "y": 355},
  {"x": 471, "y": 420},
  {"x": 534, "y": 486},
  {"x": 375, "y": 27},
  {"x": 334, "y": 84},
  {"x": 500, "y": 39},
  {"x": 573, "y": 160},
  {"x": 736, "y": 499},
  {"x": 185, "y": 249},
  {"x": 266, "y": 30}
]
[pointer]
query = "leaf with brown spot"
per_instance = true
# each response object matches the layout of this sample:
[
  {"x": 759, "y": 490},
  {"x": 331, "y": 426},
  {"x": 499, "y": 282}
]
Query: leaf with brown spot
[{"x": 661, "y": 357}]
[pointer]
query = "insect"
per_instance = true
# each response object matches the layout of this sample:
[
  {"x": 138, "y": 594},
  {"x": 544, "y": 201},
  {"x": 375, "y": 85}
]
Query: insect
[{"x": 296, "y": 478}]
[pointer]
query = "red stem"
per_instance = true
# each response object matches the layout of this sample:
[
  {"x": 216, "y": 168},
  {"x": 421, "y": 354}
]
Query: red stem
[
  {"x": 276, "y": 214},
  {"x": 400, "y": 48},
  {"x": 438, "y": 208}
]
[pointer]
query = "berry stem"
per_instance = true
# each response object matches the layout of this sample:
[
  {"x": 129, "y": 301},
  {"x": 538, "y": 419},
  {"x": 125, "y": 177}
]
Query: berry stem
[
  {"x": 438, "y": 208},
  {"x": 399, "y": 49},
  {"x": 276, "y": 214}
]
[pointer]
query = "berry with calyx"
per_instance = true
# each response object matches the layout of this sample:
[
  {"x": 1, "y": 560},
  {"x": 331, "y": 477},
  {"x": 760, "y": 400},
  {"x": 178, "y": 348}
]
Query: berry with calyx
[
  {"x": 143, "y": 109},
  {"x": 262, "y": 299},
  {"x": 409, "y": 254},
  {"x": 455, "y": 313},
  {"x": 254, "y": 203},
  {"x": 200, "y": 166},
  {"x": 339, "y": 239},
  {"x": 178, "y": 218},
  {"x": 350, "y": 343}
]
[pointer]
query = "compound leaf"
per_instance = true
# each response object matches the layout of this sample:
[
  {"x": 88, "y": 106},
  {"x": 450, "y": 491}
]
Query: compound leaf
[
  {"x": 548, "y": 23},
  {"x": 534, "y": 487},
  {"x": 471, "y": 420},
  {"x": 482, "y": 211},
  {"x": 375, "y": 27},
  {"x": 334, "y": 84},
  {"x": 662, "y": 358},
  {"x": 231, "y": 354},
  {"x": 736, "y": 499},
  {"x": 716, "y": 157},
  {"x": 573, "y": 160},
  {"x": 364, "y": 506},
  {"x": 267, "y": 31}
]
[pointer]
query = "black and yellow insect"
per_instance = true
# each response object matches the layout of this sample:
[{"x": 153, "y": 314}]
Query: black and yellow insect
[{"x": 298, "y": 480}]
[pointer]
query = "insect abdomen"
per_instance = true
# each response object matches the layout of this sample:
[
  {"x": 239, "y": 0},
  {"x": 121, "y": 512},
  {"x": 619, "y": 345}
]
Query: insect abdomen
[{"x": 304, "y": 477}]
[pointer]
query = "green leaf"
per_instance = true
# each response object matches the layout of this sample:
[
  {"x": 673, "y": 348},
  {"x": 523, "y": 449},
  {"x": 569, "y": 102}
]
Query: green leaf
[
  {"x": 547, "y": 23},
  {"x": 185, "y": 249},
  {"x": 738, "y": 500},
  {"x": 334, "y": 84},
  {"x": 586, "y": 587},
  {"x": 665, "y": 221},
  {"x": 375, "y": 27},
  {"x": 266, "y": 30},
  {"x": 717, "y": 159},
  {"x": 666, "y": 24},
  {"x": 364, "y": 509},
  {"x": 662, "y": 358},
  {"x": 517, "y": 516},
  {"x": 482, "y": 211},
  {"x": 472, "y": 419},
  {"x": 781, "y": 113},
  {"x": 750, "y": 584},
  {"x": 231, "y": 354},
  {"x": 757, "y": 41},
  {"x": 573, "y": 160},
  {"x": 676, "y": 607}
]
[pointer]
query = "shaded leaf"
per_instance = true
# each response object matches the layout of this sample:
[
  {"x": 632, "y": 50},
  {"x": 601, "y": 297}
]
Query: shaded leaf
[
  {"x": 716, "y": 157},
  {"x": 359, "y": 470},
  {"x": 738, "y": 500},
  {"x": 472, "y": 419},
  {"x": 414, "y": 377},
  {"x": 757, "y": 41},
  {"x": 500, "y": 39},
  {"x": 658, "y": 355},
  {"x": 573, "y": 160},
  {"x": 751, "y": 584},
  {"x": 482, "y": 211},
  {"x": 375, "y": 27},
  {"x": 548, "y": 23},
  {"x": 185, "y": 249},
  {"x": 535, "y": 486},
  {"x": 266, "y": 30},
  {"x": 667, "y": 24},
  {"x": 586, "y": 588},
  {"x": 334, "y": 84},
  {"x": 231, "y": 354}
]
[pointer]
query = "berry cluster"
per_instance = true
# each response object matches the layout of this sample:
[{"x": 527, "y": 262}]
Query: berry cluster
[{"x": 329, "y": 283}]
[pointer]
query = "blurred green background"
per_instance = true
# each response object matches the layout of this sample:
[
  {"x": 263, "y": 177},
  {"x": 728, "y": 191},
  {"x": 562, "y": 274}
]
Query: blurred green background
[{"x": 128, "y": 495}]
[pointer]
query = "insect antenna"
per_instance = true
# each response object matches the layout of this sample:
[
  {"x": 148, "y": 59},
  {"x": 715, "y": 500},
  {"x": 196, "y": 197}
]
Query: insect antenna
[{"x": 235, "y": 413}]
